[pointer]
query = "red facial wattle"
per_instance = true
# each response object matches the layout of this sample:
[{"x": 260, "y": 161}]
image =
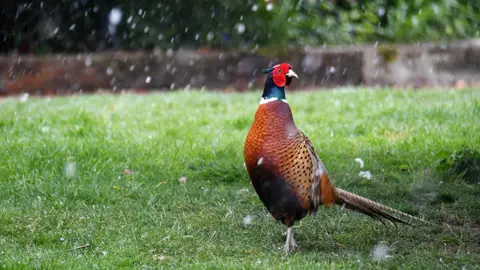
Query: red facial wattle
[
  {"x": 279, "y": 78},
  {"x": 279, "y": 74}
]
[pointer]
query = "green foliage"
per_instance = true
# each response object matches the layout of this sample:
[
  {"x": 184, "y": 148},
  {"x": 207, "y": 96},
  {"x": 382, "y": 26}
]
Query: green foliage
[
  {"x": 344, "y": 22},
  {"x": 387, "y": 54},
  {"x": 83, "y": 26}
]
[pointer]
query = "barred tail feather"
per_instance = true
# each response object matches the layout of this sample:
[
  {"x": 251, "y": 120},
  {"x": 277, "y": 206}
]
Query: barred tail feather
[{"x": 373, "y": 209}]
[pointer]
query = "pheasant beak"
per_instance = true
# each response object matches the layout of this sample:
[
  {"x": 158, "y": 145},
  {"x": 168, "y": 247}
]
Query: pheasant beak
[{"x": 291, "y": 73}]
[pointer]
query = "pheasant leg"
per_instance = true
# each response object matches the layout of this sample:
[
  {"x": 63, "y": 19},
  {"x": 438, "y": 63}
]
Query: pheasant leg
[{"x": 290, "y": 244}]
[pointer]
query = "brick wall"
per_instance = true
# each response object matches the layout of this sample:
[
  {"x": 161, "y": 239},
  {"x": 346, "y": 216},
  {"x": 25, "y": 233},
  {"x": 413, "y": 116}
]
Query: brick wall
[{"x": 394, "y": 65}]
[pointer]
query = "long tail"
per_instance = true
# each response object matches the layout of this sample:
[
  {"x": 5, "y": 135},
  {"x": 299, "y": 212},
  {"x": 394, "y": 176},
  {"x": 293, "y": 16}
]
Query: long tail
[{"x": 373, "y": 209}]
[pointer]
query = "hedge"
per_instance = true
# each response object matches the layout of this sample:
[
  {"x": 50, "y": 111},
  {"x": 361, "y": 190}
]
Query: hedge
[{"x": 86, "y": 25}]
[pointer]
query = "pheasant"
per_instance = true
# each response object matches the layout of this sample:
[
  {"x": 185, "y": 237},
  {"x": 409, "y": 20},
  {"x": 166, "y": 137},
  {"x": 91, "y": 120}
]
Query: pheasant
[{"x": 284, "y": 169}]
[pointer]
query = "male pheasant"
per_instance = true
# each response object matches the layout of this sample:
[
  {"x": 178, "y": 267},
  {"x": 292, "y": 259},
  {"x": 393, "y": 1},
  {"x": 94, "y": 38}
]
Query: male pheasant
[{"x": 284, "y": 169}]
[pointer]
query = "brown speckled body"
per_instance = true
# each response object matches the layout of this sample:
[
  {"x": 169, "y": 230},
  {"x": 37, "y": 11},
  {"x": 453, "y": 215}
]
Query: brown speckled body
[{"x": 281, "y": 164}]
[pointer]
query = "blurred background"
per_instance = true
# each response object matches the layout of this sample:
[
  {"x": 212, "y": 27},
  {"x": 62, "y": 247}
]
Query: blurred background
[
  {"x": 55, "y": 47},
  {"x": 89, "y": 25}
]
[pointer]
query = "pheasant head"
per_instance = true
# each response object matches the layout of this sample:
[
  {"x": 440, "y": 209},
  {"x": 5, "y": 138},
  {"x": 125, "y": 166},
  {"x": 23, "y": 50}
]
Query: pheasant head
[{"x": 278, "y": 77}]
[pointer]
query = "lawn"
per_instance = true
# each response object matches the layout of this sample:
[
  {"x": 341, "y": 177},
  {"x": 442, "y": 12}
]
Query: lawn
[{"x": 93, "y": 181}]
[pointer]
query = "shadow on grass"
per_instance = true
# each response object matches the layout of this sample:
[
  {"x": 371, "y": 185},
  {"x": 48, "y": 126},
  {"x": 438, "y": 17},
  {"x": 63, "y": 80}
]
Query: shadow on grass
[{"x": 464, "y": 165}]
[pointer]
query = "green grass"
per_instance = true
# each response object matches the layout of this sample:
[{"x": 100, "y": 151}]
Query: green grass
[{"x": 63, "y": 182}]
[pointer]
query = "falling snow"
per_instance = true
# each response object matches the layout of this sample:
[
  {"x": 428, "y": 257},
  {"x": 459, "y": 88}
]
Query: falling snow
[
  {"x": 260, "y": 161},
  {"x": 380, "y": 251},
  {"x": 269, "y": 6},
  {"x": 210, "y": 35},
  {"x": 365, "y": 174},
  {"x": 359, "y": 161},
  {"x": 70, "y": 169},
  {"x": 88, "y": 61},
  {"x": 243, "y": 190},
  {"x": 24, "y": 97},
  {"x": 240, "y": 28},
  {"x": 159, "y": 257},
  {"x": 381, "y": 11},
  {"x": 247, "y": 220},
  {"x": 148, "y": 79},
  {"x": 182, "y": 179},
  {"x": 114, "y": 18}
]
